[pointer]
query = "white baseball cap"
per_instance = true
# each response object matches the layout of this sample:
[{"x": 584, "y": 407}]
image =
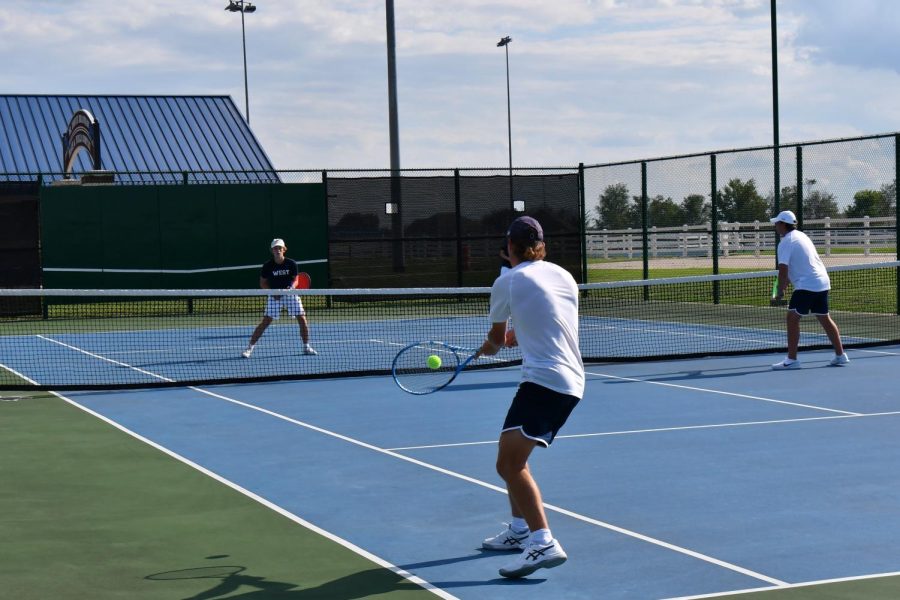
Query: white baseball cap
[
  {"x": 785, "y": 216},
  {"x": 278, "y": 242}
]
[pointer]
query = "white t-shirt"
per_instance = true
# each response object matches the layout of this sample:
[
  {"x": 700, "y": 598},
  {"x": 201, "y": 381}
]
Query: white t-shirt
[
  {"x": 542, "y": 299},
  {"x": 805, "y": 269}
]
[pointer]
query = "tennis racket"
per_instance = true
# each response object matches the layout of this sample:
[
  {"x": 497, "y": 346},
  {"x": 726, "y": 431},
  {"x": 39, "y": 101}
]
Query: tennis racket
[
  {"x": 417, "y": 372},
  {"x": 303, "y": 281},
  {"x": 773, "y": 301}
]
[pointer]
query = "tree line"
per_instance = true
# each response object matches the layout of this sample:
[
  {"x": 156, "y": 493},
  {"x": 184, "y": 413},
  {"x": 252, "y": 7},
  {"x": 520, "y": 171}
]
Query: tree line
[{"x": 738, "y": 201}]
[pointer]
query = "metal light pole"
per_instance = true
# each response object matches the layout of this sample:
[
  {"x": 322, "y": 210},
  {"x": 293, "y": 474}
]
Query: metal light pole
[
  {"x": 243, "y": 7},
  {"x": 399, "y": 262},
  {"x": 775, "y": 144},
  {"x": 504, "y": 43}
]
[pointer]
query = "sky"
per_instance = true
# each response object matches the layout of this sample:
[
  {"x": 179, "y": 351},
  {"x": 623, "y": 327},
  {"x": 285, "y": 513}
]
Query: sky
[{"x": 591, "y": 81}]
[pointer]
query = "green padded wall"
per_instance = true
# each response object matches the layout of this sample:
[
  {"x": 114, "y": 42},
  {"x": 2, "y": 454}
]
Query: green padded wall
[{"x": 178, "y": 236}]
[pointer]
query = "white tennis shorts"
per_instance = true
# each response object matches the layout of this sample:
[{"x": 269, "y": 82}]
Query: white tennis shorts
[{"x": 291, "y": 303}]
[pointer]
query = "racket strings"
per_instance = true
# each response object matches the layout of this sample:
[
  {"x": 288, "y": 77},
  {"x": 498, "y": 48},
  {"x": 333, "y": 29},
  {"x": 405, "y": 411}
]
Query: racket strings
[{"x": 413, "y": 374}]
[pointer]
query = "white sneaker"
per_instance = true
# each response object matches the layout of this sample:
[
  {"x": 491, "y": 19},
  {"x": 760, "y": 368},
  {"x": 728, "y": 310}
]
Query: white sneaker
[
  {"x": 839, "y": 360},
  {"x": 786, "y": 364},
  {"x": 307, "y": 349},
  {"x": 534, "y": 557},
  {"x": 246, "y": 353},
  {"x": 507, "y": 540}
]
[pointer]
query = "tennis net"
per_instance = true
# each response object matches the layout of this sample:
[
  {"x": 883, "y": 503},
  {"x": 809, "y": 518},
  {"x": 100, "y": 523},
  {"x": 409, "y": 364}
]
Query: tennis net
[{"x": 107, "y": 339}]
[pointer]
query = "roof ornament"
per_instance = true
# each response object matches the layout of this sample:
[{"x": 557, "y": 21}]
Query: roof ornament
[{"x": 83, "y": 132}]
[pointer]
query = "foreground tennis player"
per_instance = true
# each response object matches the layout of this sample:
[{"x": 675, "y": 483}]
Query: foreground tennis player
[
  {"x": 542, "y": 299},
  {"x": 280, "y": 273}
]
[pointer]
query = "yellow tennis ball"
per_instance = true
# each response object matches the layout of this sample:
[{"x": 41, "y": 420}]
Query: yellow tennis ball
[{"x": 434, "y": 362}]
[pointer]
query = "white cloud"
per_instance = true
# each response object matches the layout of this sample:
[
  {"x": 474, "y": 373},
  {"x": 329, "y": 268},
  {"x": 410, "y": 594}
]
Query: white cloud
[{"x": 591, "y": 81}]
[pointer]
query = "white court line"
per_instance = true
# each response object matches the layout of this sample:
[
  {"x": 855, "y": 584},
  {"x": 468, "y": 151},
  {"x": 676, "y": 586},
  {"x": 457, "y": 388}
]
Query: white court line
[
  {"x": 17, "y": 374},
  {"x": 574, "y": 515},
  {"x": 788, "y": 586},
  {"x": 490, "y": 486},
  {"x": 712, "y": 391},
  {"x": 885, "y": 352},
  {"x": 97, "y": 356},
  {"x": 664, "y": 429},
  {"x": 282, "y": 511},
  {"x": 270, "y": 505}
]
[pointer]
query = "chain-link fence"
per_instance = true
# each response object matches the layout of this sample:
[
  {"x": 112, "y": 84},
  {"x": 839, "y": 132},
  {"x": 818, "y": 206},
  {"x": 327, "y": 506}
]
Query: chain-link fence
[
  {"x": 708, "y": 213},
  {"x": 681, "y": 215}
]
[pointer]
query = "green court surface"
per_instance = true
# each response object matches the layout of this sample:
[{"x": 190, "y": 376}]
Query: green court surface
[
  {"x": 87, "y": 511},
  {"x": 877, "y": 588}
]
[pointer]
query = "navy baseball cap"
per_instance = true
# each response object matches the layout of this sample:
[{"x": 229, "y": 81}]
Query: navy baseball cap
[{"x": 525, "y": 230}]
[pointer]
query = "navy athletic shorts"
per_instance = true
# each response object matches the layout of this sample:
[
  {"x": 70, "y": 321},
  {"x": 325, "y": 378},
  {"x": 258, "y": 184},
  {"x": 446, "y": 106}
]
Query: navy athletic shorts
[
  {"x": 539, "y": 412},
  {"x": 804, "y": 302}
]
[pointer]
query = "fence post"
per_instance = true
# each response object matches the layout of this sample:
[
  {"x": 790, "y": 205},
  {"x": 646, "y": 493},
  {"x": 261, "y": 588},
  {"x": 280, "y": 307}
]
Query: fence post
[
  {"x": 654, "y": 242},
  {"x": 725, "y": 239},
  {"x": 582, "y": 204},
  {"x": 644, "y": 223},
  {"x": 684, "y": 240},
  {"x": 714, "y": 214},
  {"x": 756, "y": 244},
  {"x": 799, "y": 187},
  {"x": 714, "y": 220},
  {"x": 604, "y": 243},
  {"x": 867, "y": 241},
  {"x": 897, "y": 212},
  {"x": 827, "y": 236},
  {"x": 328, "y": 280},
  {"x": 459, "y": 244}
]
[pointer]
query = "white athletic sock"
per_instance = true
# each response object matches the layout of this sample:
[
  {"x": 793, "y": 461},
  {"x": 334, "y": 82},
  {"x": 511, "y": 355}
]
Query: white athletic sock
[
  {"x": 541, "y": 536},
  {"x": 518, "y": 525}
]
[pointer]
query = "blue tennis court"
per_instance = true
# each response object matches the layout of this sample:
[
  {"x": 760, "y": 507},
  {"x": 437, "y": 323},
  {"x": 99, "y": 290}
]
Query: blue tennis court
[
  {"x": 185, "y": 353},
  {"x": 672, "y": 479}
]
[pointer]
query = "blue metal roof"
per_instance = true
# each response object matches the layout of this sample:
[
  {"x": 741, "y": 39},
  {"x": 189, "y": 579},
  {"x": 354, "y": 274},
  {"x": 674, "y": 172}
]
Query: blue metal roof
[{"x": 149, "y": 134}]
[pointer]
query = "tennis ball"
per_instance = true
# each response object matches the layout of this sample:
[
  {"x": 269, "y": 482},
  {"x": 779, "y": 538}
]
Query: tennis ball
[{"x": 434, "y": 362}]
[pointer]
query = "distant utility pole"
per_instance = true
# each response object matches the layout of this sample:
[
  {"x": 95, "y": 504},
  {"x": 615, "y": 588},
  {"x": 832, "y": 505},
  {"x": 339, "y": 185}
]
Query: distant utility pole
[
  {"x": 243, "y": 7},
  {"x": 504, "y": 43},
  {"x": 776, "y": 142}
]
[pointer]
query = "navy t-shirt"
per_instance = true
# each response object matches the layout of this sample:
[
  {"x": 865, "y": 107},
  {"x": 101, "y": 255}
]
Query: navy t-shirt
[{"x": 279, "y": 276}]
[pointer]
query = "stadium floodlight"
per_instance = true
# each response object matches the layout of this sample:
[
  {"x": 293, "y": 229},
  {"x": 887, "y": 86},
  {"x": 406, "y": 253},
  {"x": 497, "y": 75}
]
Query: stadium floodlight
[
  {"x": 243, "y": 7},
  {"x": 504, "y": 43}
]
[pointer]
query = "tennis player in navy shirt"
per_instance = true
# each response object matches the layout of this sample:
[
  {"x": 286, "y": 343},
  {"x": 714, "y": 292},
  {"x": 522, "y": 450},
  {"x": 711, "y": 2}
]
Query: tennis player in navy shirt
[{"x": 280, "y": 273}]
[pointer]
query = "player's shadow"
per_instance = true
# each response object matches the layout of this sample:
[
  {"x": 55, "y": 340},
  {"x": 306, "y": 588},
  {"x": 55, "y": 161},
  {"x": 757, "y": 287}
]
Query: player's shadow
[
  {"x": 462, "y": 387},
  {"x": 233, "y": 582},
  {"x": 693, "y": 375},
  {"x": 479, "y": 554},
  {"x": 240, "y": 336},
  {"x": 237, "y": 358}
]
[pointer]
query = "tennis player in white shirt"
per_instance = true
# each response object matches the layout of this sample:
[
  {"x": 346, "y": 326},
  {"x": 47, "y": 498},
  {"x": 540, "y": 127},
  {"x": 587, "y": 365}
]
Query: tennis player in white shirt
[
  {"x": 542, "y": 300},
  {"x": 799, "y": 263}
]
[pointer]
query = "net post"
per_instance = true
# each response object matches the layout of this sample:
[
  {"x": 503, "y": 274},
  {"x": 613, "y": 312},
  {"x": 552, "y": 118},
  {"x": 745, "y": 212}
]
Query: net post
[
  {"x": 799, "y": 191},
  {"x": 645, "y": 245},
  {"x": 582, "y": 227}
]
